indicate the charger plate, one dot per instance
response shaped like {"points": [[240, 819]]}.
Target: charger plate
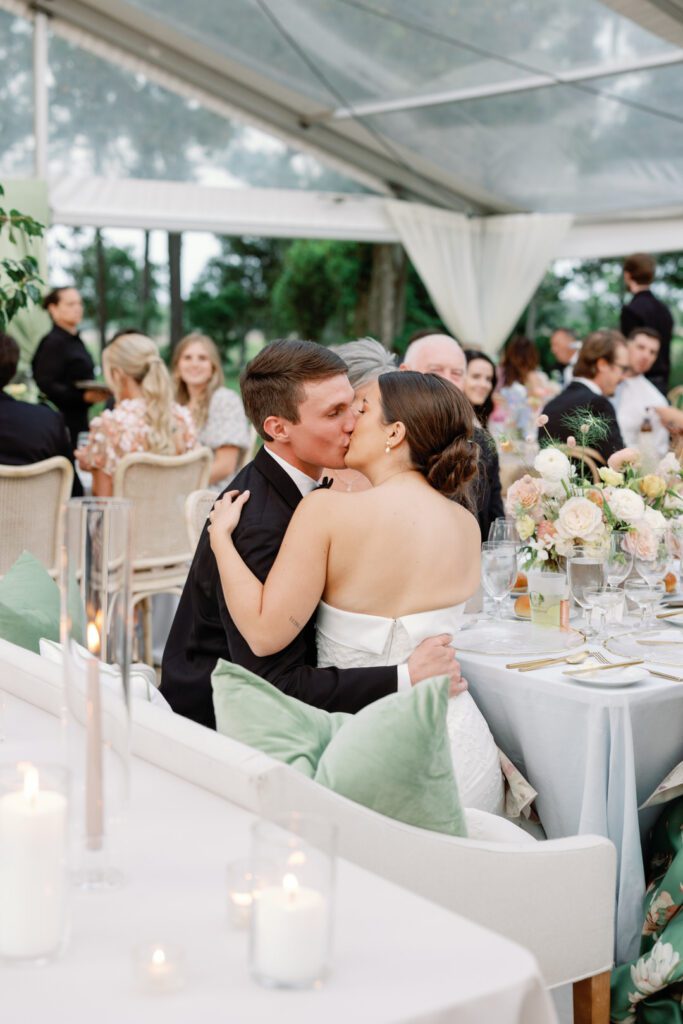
{"points": [[668, 653], [509, 637]]}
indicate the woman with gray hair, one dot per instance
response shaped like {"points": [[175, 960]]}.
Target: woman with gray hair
{"points": [[366, 360]]}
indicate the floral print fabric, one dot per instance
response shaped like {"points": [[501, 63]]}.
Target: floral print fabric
{"points": [[649, 990], [226, 424], [124, 429]]}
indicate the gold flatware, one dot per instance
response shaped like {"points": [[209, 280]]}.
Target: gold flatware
{"points": [[603, 668], [665, 675], [669, 615], [660, 643], [529, 665]]}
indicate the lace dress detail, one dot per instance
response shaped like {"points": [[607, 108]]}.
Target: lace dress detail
{"points": [[355, 640]]}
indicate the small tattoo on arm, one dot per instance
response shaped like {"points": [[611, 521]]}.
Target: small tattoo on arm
{"points": [[294, 622]]}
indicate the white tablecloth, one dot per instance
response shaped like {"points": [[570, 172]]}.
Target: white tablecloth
{"points": [[397, 957], [593, 755]]}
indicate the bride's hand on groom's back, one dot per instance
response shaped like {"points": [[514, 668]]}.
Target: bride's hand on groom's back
{"points": [[225, 515], [435, 657]]}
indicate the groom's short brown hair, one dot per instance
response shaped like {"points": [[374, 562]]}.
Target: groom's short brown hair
{"points": [[272, 384]]}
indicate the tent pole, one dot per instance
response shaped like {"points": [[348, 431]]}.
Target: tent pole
{"points": [[40, 93]]}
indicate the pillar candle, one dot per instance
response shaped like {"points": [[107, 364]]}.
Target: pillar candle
{"points": [[291, 934]]}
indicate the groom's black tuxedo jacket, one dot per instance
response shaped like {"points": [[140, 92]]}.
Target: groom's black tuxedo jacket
{"points": [[203, 631]]}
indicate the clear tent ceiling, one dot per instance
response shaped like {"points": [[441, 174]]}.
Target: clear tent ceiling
{"points": [[482, 105]]}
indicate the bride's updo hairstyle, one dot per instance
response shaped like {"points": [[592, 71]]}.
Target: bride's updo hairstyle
{"points": [[439, 424]]}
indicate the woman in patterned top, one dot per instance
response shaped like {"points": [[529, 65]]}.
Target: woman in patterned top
{"points": [[145, 417], [217, 412]]}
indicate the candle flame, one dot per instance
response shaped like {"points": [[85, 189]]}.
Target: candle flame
{"points": [[290, 884], [158, 957], [31, 783], [92, 635]]}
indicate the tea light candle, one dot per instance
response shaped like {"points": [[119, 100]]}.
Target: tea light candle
{"points": [[159, 967], [33, 881], [240, 878], [291, 926]]}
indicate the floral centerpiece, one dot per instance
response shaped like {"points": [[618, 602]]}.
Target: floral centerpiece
{"points": [[560, 507]]}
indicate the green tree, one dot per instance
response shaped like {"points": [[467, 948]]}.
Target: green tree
{"points": [[19, 278]]}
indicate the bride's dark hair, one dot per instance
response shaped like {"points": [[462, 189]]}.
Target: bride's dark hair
{"points": [[439, 423]]}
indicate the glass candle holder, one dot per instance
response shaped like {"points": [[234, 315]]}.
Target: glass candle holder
{"points": [[240, 881], [159, 967], [96, 632], [34, 882], [292, 909]]}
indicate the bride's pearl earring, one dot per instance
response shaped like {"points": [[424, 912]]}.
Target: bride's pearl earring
{"points": [[387, 449]]}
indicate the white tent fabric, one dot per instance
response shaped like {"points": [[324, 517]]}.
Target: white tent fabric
{"points": [[480, 273]]}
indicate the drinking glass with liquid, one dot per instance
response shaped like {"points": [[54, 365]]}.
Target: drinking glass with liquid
{"points": [[585, 568]]}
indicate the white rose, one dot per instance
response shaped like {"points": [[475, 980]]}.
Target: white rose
{"points": [[669, 466], [553, 464], [553, 490], [625, 504], [581, 519], [654, 519], [673, 502]]}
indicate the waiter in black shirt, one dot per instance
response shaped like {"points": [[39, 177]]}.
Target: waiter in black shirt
{"points": [[61, 359], [646, 310]]}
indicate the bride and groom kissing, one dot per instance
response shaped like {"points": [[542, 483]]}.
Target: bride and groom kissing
{"points": [[386, 572]]}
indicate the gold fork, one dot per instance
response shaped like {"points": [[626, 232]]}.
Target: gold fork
{"points": [[653, 672]]}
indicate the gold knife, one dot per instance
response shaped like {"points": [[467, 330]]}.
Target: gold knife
{"points": [[660, 643], [665, 675], [602, 668], [669, 615], [524, 666]]}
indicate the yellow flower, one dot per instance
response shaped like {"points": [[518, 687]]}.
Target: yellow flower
{"points": [[652, 486], [525, 527], [611, 477]]}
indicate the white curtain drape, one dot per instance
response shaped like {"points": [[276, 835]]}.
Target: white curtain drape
{"points": [[479, 272]]}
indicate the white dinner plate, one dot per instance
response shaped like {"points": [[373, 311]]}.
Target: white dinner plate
{"points": [[611, 678], [678, 621], [508, 637]]}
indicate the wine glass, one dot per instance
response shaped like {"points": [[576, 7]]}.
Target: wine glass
{"points": [[645, 595], [603, 599], [498, 570], [653, 561], [585, 568], [504, 530], [619, 557]]}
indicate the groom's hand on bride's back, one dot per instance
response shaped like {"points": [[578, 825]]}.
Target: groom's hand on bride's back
{"points": [[435, 657]]}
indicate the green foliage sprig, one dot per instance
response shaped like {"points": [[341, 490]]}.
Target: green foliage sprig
{"points": [[19, 279]]}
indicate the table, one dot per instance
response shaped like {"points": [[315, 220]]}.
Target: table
{"points": [[594, 755], [397, 957]]}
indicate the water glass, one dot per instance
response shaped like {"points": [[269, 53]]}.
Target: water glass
{"points": [[504, 530], [619, 557], [498, 570], [585, 569], [603, 599], [652, 562], [646, 596]]}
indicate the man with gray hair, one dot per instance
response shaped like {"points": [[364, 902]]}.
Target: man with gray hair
{"points": [[366, 360], [442, 355]]}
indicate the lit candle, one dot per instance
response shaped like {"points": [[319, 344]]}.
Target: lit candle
{"points": [[240, 878], [94, 809], [291, 933], [33, 881], [159, 967]]}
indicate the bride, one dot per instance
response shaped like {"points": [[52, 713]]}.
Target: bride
{"points": [[385, 567]]}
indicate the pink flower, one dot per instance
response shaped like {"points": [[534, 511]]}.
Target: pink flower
{"points": [[541, 420], [524, 495], [546, 530], [642, 542], [625, 456], [571, 441]]}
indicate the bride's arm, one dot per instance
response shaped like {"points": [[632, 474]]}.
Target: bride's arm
{"points": [[271, 614]]}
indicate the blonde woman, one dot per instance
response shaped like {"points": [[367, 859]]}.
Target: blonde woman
{"points": [[145, 417], [217, 412]]}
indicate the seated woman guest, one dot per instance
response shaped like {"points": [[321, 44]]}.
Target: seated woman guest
{"points": [[480, 381], [145, 417], [523, 389], [217, 411]]}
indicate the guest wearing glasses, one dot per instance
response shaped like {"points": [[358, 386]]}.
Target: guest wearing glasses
{"points": [[601, 366]]}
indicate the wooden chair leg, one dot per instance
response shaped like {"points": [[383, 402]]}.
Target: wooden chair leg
{"points": [[591, 999], [147, 630]]}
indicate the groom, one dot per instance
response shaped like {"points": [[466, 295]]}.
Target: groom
{"points": [[297, 395]]}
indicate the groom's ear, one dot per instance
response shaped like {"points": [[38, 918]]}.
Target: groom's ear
{"points": [[277, 428]]}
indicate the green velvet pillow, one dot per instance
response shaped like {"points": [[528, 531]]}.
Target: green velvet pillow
{"points": [[393, 756], [29, 604]]}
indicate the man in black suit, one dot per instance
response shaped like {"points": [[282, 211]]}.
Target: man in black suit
{"points": [[646, 310], [28, 433], [298, 397], [602, 365], [442, 355]]}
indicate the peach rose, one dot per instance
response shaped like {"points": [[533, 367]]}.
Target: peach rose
{"points": [[546, 530], [596, 497], [524, 494], [624, 457]]}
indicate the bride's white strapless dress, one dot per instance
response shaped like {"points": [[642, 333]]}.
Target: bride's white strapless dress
{"points": [[356, 640]]}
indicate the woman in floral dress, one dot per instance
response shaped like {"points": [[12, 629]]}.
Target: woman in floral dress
{"points": [[145, 417]]}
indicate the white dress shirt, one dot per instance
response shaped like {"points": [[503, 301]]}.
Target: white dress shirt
{"points": [[634, 398], [306, 484]]}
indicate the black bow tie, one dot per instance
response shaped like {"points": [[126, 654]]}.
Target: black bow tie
{"points": [[325, 483]]}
